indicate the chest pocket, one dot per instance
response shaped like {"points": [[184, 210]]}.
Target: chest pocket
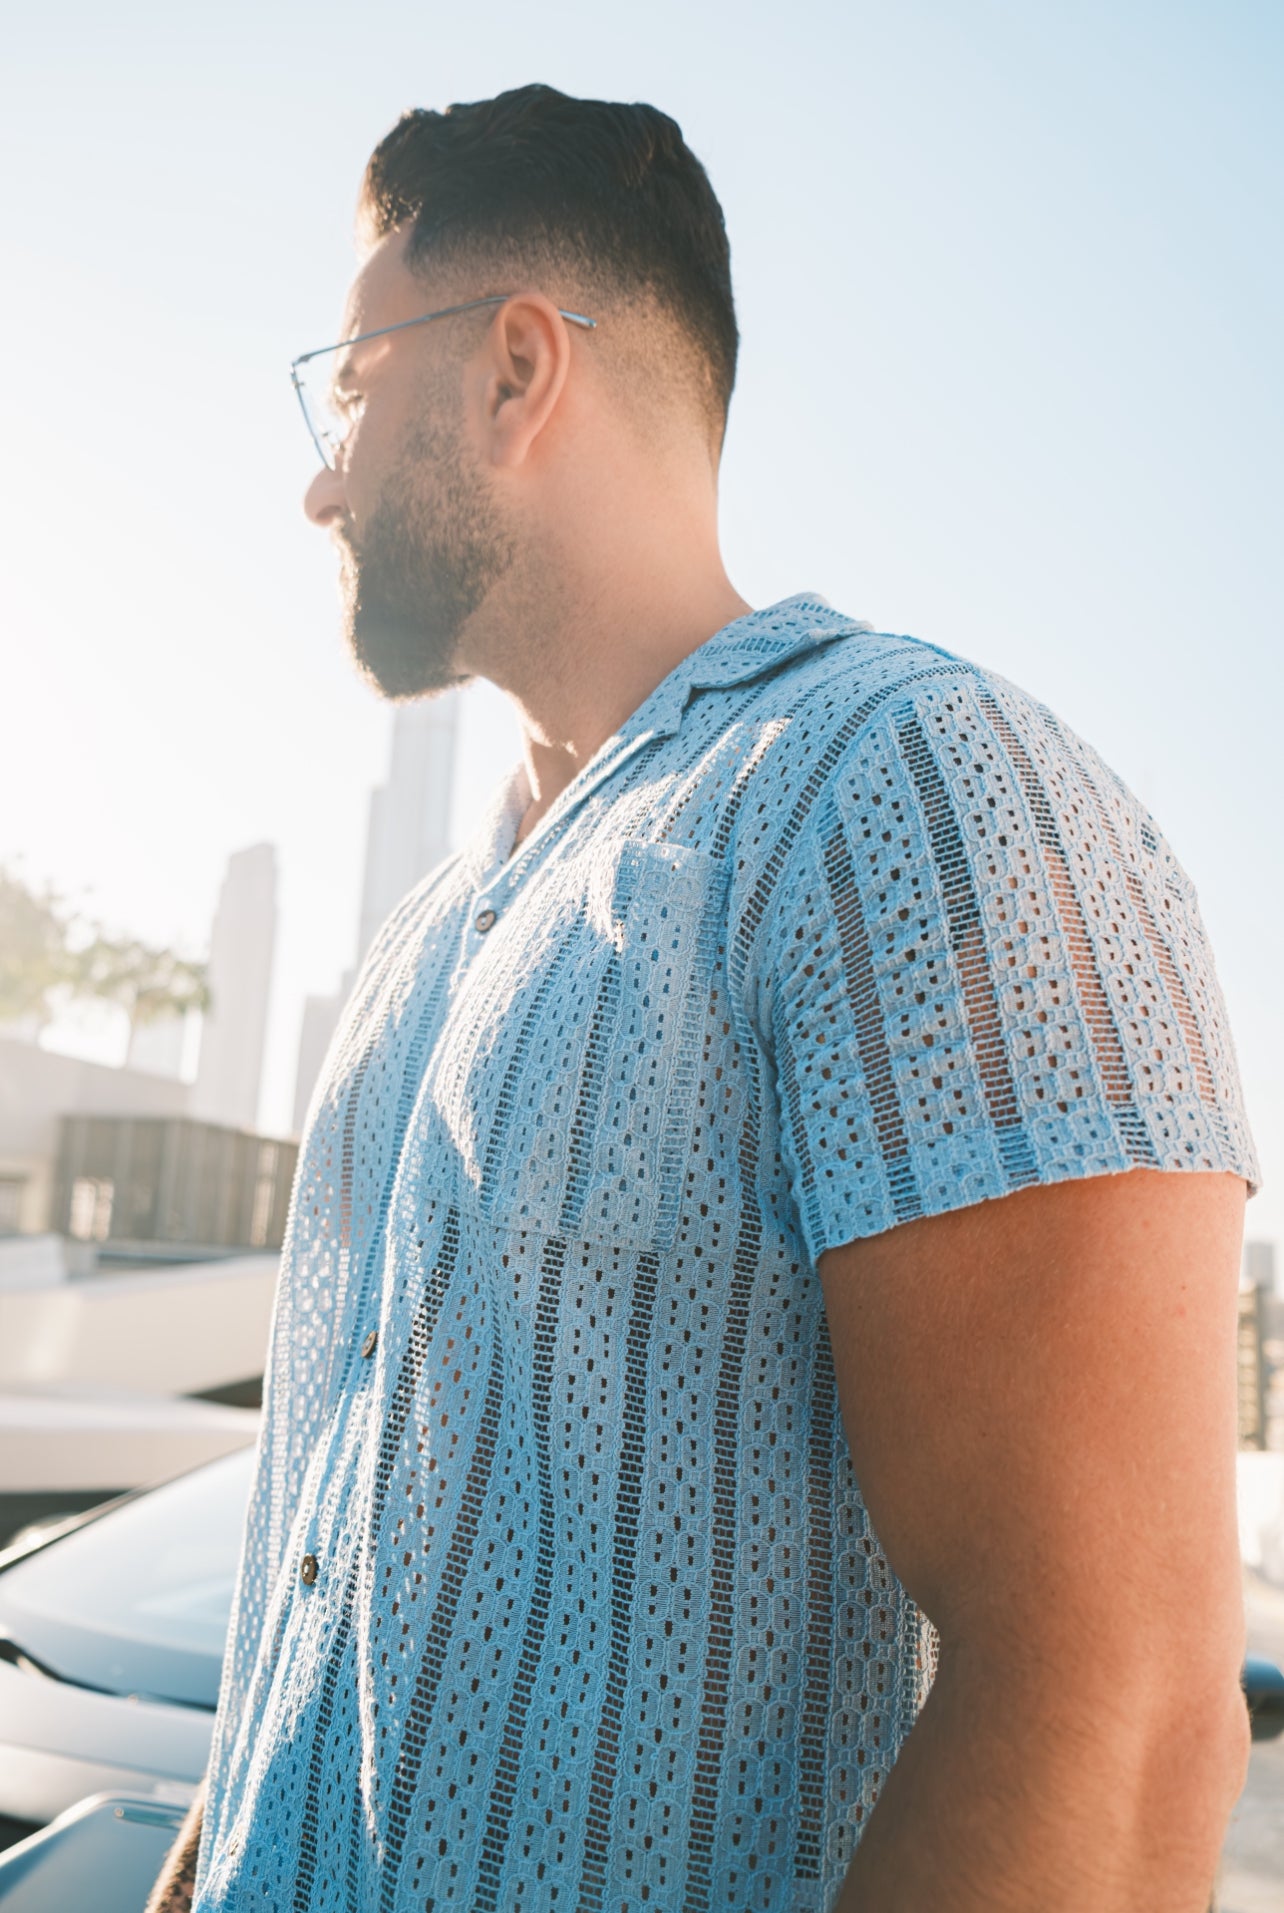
{"points": [[567, 1078]]}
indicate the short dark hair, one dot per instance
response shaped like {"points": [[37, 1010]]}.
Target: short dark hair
{"points": [[612, 190]]}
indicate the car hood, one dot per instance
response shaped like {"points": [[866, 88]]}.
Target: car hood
{"points": [[135, 1601]]}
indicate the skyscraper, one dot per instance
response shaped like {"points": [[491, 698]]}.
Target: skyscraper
{"points": [[1259, 1266], [408, 831], [320, 1019], [242, 944], [407, 834]]}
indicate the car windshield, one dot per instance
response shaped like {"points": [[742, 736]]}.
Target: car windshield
{"points": [[137, 1601]]}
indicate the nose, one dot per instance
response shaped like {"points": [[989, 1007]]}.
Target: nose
{"points": [[324, 499]]}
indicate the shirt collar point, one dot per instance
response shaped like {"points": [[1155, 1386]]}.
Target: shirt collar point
{"points": [[751, 645]]}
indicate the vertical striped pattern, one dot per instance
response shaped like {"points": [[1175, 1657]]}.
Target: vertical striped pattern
{"points": [[819, 1589], [967, 940], [715, 1691], [861, 992], [1112, 1061], [403, 1396], [438, 1636], [503, 1793], [629, 1467], [336, 1669], [838, 931]]}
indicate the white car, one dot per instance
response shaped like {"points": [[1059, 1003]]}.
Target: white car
{"points": [[112, 1629]]}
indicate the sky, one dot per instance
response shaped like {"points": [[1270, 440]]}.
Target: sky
{"points": [[1010, 291]]}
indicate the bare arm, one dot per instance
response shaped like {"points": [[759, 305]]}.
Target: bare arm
{"points": [[1039, 1396], [175, 1887]]}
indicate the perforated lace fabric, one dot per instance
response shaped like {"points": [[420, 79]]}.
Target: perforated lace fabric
{"points": [[558, 1589]]}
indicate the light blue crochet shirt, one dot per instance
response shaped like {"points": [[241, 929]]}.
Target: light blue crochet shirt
{"points": [[558, 1589]]}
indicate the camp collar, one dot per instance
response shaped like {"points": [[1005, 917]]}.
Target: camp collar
{"points": [[747, 648]]}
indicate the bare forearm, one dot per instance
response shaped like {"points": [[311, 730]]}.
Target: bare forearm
{"points": [[175, 1887], [1011, 1802]]}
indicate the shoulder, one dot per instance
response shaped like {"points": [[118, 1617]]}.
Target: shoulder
{"points": [[873, 727], [854, 682], [861, 679], [968, 950]]}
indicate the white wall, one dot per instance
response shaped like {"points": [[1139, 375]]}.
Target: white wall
{"points": [[37, 1086], [89, 1372], [176, 1330]]}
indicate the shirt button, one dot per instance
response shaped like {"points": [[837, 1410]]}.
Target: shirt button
{"points": [[308, 1570], [484, 921], [368, 1346]]}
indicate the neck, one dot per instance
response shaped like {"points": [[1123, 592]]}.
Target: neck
{"points": [[581, 645]]}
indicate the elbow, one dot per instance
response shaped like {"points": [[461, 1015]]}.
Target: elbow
{"points": [[1193, 1769], [1225, 1732], [1182, 1685]]}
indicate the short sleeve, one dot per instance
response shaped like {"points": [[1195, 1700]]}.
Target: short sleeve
{"points": [[982, 968]]}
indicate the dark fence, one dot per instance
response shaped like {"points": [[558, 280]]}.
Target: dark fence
{"points": [[122, 1181]]}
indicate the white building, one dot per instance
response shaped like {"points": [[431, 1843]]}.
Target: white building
{"points": [[37, 1086], [1259, 1266], [407, 834], [242, 944], [408, 831], [320, 1020]]}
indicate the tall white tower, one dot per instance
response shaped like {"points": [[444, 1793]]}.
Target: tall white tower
{"points": [[407, 834], [242, 944], [1259, 1266], [409, 824]]}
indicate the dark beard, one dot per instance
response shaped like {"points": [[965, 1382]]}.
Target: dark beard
{"points": [[428, 556]]}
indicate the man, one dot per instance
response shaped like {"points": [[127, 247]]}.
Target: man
{"points": [[761, 1275]]}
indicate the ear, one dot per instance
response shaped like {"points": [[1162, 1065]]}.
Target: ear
{"points": [[527, 360]]}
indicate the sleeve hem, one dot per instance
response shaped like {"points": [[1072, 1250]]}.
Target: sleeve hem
{"points": [[832, 1228]]}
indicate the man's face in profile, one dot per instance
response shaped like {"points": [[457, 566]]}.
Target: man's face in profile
{"points": [[420, 538]]}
